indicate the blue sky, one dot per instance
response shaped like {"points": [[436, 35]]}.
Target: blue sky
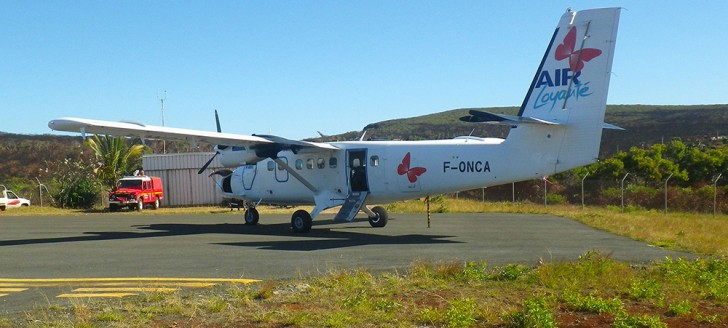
{"points": [[291, 68]]}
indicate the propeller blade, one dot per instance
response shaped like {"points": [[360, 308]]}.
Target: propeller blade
{"points": [[217, 120], [204, 167]]}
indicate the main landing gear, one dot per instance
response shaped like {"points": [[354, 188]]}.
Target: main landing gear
{"points": [[377, 216], [301, 220]]}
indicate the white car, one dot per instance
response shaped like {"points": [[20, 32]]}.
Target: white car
{"points": [[9, 199]]}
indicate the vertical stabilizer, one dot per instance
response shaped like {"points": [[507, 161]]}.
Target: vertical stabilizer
{"points": [[569, 91]]}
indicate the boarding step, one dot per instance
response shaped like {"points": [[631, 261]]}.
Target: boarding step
{"points": [[351, 206]]}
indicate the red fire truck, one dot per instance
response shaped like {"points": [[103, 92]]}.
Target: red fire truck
{"points": [[135, 192]]}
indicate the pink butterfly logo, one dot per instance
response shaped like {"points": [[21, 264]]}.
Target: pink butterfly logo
{"points": [[576, 58], [412, 173]]}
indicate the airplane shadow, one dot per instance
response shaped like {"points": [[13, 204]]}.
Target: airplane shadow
{"points": [[318, 239]]}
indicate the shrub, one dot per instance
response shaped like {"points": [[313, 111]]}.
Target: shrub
{"points": [[680, 309], [75, 185], [461, 313], [535, 313], [555, 199], [591, 303], [643, 289]]}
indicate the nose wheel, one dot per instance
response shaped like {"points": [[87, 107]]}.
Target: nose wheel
{"points": [[251, 216]]}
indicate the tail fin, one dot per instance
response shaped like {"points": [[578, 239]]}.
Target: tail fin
{"points": [[568, 95], [575, 70]]}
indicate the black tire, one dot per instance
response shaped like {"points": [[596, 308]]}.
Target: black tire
{"points": [[113, 207], [301, 222], [251, 216], [156, 203], [381, 218]]}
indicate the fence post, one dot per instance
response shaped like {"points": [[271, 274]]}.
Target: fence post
{"points": [[40, 191], [582, 190], [715, 193], [668, 179], [622, 187]]}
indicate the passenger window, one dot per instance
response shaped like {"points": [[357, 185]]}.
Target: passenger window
{"points": [[299, 164], [309, 163], [321, 163], [332, 162], [374, 161], [271, 165]]}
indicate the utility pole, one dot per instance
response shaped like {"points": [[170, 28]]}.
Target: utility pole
{"points": [[162, 99]]}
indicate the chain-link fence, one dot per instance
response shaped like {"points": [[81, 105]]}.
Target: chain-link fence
{"points": [[633, 192]]}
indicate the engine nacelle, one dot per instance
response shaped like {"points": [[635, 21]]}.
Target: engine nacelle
{"points": [[234, 156]]}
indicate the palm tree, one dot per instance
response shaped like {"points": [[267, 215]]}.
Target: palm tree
{"points": [[115, 157]]}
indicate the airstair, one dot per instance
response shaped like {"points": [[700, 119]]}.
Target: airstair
{"points": [[351, 206]]}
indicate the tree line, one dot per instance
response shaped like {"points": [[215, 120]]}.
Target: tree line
{"points": [[691, 172]]}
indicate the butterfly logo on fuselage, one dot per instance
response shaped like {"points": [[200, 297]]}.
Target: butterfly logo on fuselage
{"points": [[412, 173]]}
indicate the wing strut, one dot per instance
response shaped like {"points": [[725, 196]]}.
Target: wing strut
{"points": [[295, 174]]}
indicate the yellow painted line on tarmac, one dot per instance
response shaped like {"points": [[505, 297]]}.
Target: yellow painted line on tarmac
{"points": [[114, 287], [125, 289], [96, 295], [110, 284], [88, 280]]}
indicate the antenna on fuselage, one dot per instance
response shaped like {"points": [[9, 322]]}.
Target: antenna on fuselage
{"points": [[364, 133]]}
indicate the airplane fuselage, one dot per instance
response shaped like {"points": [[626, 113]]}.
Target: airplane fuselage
{"points": [[387, 170]]}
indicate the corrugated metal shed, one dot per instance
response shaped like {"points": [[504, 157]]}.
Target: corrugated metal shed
{"points": [[182, 185]]}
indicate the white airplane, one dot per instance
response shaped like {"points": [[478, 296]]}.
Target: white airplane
{"points": [[558, 127]]}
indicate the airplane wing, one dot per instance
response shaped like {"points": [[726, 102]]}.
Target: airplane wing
{"points": [[128, 129]]}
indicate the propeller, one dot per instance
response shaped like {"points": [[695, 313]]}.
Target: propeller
{"points": [[217, 152], [204, 167]]}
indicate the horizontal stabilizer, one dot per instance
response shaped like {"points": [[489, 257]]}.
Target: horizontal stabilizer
{"points": [[486, 117]]}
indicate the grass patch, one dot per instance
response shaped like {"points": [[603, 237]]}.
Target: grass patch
{"points": [[443, 294]]}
